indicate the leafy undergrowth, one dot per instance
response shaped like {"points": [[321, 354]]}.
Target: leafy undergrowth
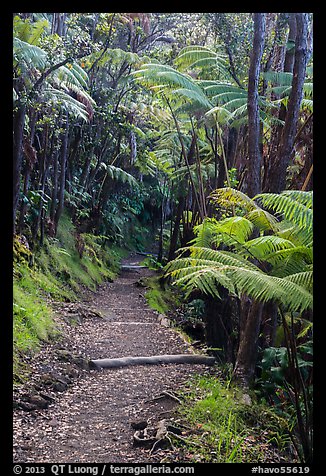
{"points": [[58, 271], [226, 429]]}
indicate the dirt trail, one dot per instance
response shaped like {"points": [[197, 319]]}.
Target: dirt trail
{"points": [[91, 420]]}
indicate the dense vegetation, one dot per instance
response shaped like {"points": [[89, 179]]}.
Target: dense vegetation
{"points": [[190, 130]]}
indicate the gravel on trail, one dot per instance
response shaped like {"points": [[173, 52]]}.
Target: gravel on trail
{"points": [[67, 412]]}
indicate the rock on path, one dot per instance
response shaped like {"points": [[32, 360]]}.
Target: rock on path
{"points": [[91, 420]]}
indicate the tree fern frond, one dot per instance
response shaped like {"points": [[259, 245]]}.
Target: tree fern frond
{"points": [[229, 197], [201, 56], [222, 257], [215, 88], [238, 227], [31, 55], [205, 279], [264, 246], [264, 288], [196, 96], [61, 98], [280, 78], [306, 198], [252, 282], [303, 279], [29, 32], [292, 232], [116, 173], [263, 220], [290, 208], [204, 233], [289, 261]]}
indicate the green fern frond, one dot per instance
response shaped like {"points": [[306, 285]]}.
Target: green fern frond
{"points": [[202, 57], [158, 75], [72, 75], [229, 197], [196, 96], [222, 257], [280, 78], [264, 288], [29, 32], [291, 209], [306, 198], [205, 279], [243, 280], [264, 246], [289, 261], [204, 233], [263, 220], [30, 55], [116, 173], [215, 88], [303, 279], [64, 100]]}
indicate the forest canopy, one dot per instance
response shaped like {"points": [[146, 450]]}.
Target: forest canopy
{"points": [[192, 131]]}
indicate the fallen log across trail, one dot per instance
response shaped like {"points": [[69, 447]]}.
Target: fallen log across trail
{"points": [[153, 360]]}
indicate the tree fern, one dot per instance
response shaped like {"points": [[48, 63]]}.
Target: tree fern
{"points": [[274, 267], [27, 56], [202, 57], [116, 173], [289, 207], [203, 275], [64, 100], [158, 75]]}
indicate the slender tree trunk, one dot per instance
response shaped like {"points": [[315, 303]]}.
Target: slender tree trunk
{"points": [[219, 325], [176, 229], [288, 62], [54, 195], [254, 152], [19, 121], [41, 184], [31, 158], [63, 161]]}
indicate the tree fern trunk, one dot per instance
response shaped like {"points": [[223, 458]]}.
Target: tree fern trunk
{"points": [[219, 325], [244, 369]]}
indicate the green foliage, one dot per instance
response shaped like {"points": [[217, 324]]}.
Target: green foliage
{"points": [[160, 298], [58, 273], [225, 428], [287, 282]]}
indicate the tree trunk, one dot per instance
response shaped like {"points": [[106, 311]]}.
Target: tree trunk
{"points": [[244, 369], [63, 161], [19, 121], [254, 152], [219, 324], [54, 195], [288, 62], [31, 158], [276, 181], [176, 229]]}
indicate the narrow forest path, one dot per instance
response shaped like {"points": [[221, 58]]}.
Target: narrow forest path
{"points": [[91, 420]]}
